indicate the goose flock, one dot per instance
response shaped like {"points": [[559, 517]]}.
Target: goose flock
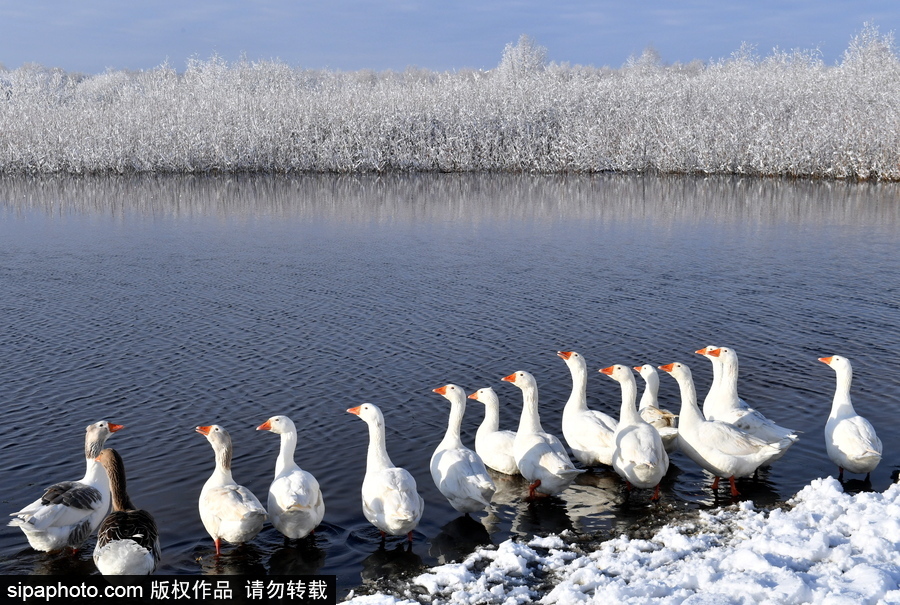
{"points": [[727, 438]]}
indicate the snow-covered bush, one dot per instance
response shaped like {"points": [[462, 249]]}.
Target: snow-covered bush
{"points": [[783, 114]]}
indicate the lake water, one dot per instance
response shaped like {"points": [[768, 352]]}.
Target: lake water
{"points": [[163, 303]]}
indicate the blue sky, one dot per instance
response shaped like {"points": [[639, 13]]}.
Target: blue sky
{"points": [[93, 35]]}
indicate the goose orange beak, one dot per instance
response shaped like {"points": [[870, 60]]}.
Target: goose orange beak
{"points": [[510, 378], [637, 368], [608, 371], [115, 427], [354, 410], [826, 359], [203, 430], [440, 390], [265, 426], [716, 352], [474, 395], [668, 367], [564, 354]]}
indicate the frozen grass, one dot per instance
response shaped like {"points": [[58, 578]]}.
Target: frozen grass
{"points": [[784, 114]]}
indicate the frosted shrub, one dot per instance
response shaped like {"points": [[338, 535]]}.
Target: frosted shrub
{"points": [[783, 114]]}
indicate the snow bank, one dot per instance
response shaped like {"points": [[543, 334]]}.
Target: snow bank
{"points": [[828, 547]]}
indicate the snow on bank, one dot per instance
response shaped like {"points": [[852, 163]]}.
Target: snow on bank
{"points": [[828, 547]]}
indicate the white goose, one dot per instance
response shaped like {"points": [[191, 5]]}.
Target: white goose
{"points": [[68, 512], [715, 386], [589, 433], [295, 504], [229, 511], [850, 439], [493, 445], [723, 403], [458, 472], [390, 501], [663, 420], [718, 447], [542, 459], [127, 539], [640, 457]]}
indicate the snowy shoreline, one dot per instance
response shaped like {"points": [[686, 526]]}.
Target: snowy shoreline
{"points": [[825, 546]]}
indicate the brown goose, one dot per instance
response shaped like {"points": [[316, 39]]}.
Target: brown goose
{"points": [[127, 540]]}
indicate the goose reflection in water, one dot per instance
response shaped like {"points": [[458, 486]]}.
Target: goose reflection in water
{"points": [[299, 557], [399, 560], [458, 538], [243, 560], [58, 564]]}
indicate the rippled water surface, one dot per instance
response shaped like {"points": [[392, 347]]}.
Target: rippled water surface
{"points": [[166, 303]]}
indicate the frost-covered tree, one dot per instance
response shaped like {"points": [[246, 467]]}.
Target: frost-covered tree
{"points": [[783, 114]]}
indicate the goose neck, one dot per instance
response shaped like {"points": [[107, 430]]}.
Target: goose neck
{"points": [[649, 396], [530, 420], [222, 474], [117, 486], [377, 457], [578, 397], [690, 413], [95, 474], [454, 424], [491, 422], [285, 460], [92, 446], [716, 386], [728, 379], [841, 405], [628, 412]]}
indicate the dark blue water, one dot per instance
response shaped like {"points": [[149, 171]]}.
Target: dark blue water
{"points": [[167, 303]]}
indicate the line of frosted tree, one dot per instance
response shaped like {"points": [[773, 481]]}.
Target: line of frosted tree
{"points": [[783, 114]]}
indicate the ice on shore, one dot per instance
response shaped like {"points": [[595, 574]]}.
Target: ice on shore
{"points": [[827, 546]]}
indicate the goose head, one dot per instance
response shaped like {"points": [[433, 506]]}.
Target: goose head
{"points": [[452, 392], [278, 425], [111, 460], [96, 435], [648, 373], [217, 436], [369, 413], [521, 379], [617, 372], [486, 396], [724, 353], [573, 360], [838, 363], [677, 370]]}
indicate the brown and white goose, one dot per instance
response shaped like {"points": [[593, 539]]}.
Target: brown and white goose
{"points": [[127, 539], [68, 512]]}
